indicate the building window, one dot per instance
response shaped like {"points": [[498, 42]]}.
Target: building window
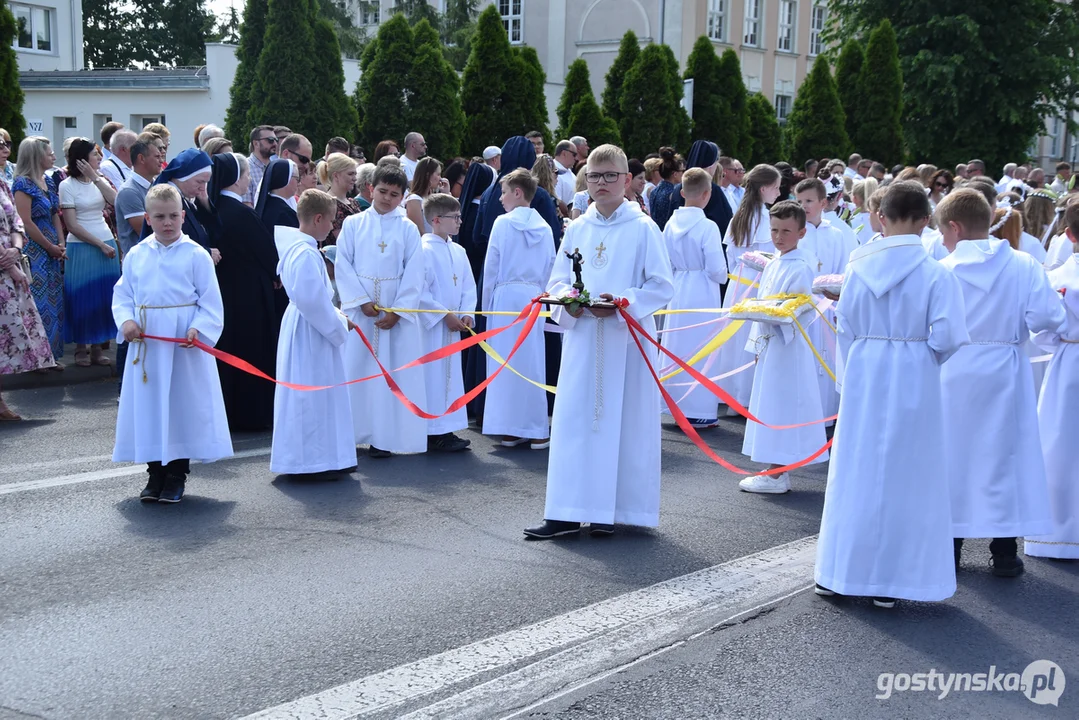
{"points": [[1056, 146], [816, 29], [783, 107], [370, 12], [717, 20], [33, 27], [512, 17], [752, 33], [788, 14]]}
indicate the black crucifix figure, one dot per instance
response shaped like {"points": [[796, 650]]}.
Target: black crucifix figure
{"points": [[577, 258]]}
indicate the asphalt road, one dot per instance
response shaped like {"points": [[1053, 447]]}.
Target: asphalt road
{"points": [[409, 589]]}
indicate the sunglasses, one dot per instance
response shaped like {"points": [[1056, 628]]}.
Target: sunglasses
{"points": [[272, 140], [941, 185], [304, 160], [5, 144]]}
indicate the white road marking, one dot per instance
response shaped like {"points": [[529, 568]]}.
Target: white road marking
{"points": [[49, 464], [579, 644], [113, 472]]}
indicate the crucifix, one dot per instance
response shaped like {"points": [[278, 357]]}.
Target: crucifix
{"points": [[383, 246], [455, 278], [600, 249], [819, 265]]}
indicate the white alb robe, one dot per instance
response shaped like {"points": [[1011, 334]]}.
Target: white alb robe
{"points": [[448, 285], [863, 229], [520, 254], [733, 354], [1032, 246], [171, 407], [785, 387], [1057, 411], [700, 271], [995, 467], [834, 247], [886, 529], [842, 226], [605, 435], [1060, 250], [933, 243], [312, 430], [380, 260]]}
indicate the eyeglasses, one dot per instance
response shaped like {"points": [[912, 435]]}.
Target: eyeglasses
{"points": [[738, 171], [456, 216], [607, 177]]}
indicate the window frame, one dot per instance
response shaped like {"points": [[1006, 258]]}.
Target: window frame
{"points": [[791, 28], [719, 12], [758, 40], [509, 17], [816, 44], [367, 11], [50, 15], [781, 117]]}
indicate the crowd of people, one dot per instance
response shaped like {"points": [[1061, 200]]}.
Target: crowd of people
{"points": [[911, 307]]}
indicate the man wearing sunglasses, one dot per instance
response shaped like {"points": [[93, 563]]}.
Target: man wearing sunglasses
{"points": [[263, 148]]}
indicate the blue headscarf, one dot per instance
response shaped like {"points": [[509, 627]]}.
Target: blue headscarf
{"points": [[184, 166], [703, 154]]}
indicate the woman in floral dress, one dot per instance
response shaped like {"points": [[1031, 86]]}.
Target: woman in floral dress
{"points": [[39, 209], [23, 343]]}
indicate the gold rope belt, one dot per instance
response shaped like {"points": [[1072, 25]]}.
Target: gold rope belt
{"points": [[144, 350]]}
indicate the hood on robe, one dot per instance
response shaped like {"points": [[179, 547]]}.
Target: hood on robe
{"points": [[685, 219], [980, 262], [529, 222], [627, 212], [886, 262], [287, 239]]}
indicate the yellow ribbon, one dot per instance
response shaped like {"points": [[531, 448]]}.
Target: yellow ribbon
{"points": [[743, 280], [811, 347], [498, 359], [714, 344]]}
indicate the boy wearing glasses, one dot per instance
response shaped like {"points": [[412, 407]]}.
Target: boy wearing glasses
{"points": [[448, 286], [605, 436]]}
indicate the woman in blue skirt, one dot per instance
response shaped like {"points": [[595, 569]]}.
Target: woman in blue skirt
{"points": [[93, 262]]}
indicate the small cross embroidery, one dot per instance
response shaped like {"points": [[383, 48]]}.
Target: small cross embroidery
{"points": [[599, 250], [383, 246], [455, 278], [819, 266]]}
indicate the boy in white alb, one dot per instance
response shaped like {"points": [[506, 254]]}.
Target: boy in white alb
{"points": [[833, 190], [995, 466], [379, 264], [448, 286], [520, 254], [1057, 410], [785, 391], [886, 523], [605, 434], [700, 271], [312, 430], [171, 407]]}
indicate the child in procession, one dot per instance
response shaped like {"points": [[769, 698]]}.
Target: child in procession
{"points": [[313, 431], [996, 470], [520, 254], [700, 271], [785, 389], [380, 264], [171, 407], [886, 523], [605, 434], [450, 289]]}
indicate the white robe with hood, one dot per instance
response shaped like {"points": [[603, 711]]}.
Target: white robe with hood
{"points": [[995, 465], [520, 254], [833, 248], [1057, 411], [700, 271], [312, 430], [605, 435], [886, 528], [380, 260]]}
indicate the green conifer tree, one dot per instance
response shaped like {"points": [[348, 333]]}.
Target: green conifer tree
{"points": [[587, 120], [252, 33], [651, 115], [681, 125], [492, 68], [577, 85], [628, 52], [434, 103], [384, 81], [283, 92], [879, 134], [710, 108], [339, 116], [848, 71], [530, 94], [11, 118], [816, 126], [764, 131]]}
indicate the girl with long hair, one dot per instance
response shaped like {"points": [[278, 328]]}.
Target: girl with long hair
{"points": [[426, 180]]}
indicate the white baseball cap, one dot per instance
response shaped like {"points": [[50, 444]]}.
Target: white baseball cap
{"points": [[491, 152]]}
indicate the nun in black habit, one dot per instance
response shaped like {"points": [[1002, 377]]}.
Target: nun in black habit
{"points": [[478, 178], [273, 208], [246, 274]]}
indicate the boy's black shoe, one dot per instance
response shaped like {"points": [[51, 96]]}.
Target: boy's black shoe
{"points": [[957, 546], [173, 491], [600, 530], [552, 529], [1007, 565], [374, 452], [823, 591], [152, 491], [883, 602], [447, 442]]}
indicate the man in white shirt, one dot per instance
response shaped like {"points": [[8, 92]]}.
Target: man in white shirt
{"points": [[731, 181], [492, 158], [1064, 175], [118, 167], [415, 148], [565, 157], [975, 168], [1009, 175], [852, 167], [107, 131], [582, 146], [863, 169]]}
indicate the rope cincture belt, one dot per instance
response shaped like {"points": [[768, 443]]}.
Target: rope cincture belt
{"points": [[143, 351], [892, 339]]}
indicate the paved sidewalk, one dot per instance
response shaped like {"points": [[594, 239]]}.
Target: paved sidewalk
{"points": [[73, 375]]}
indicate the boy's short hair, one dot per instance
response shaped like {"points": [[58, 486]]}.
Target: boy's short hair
{"points": [[1062, 166], [905, 200], [788, 210], [521, 179], [873, 201], [609, 154], [391, 175], [967, 207], [811, 185], [986, 187], [437, 204], [695, 181], [315, 202], [163, 193]]}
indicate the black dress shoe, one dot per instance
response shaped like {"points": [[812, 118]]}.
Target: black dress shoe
{"points": [[552, 529], [1007, 565], [374, 452], [600, 530], [173, 491], [447, 442], [152, 491]]}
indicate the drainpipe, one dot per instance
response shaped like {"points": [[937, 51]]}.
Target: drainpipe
{"points": [[662, 18]]}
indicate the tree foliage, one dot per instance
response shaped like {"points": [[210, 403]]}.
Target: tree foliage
{"points": [[719, 98], [651, 114], [338, 117], [681, 125], [978, 77], [351, 38], [11, 118], [528, 92], [284, 92], [577, 85], [628, 52], [433, 99], [848, 71], [252, 32], [579, 113], [766, 145], [117, 34], [816, 126], [381, 91], [488, 97], [879, 134]]}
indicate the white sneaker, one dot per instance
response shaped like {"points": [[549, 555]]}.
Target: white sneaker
{"points": [[767, 484]]}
